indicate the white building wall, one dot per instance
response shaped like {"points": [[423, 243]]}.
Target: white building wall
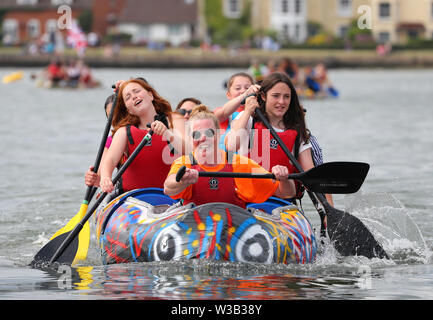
{"points": [[290, 24], [173, 34]]}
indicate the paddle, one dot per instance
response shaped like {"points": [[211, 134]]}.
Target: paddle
{"points": [[84, 237], [331, 177], [348, 234], [64, 248]]}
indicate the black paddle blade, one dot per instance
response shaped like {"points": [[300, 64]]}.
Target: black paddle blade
{"points": [[351, 237], [335, 177], [43, 257]]}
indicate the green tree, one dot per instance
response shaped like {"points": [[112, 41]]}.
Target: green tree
{"points": [[86, 21], [223, 30], [356, 34], [2, 14]]}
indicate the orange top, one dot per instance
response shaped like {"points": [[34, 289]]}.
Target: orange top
{"points": [[247, 189]]}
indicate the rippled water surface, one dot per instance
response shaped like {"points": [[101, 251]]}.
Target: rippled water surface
{"points": [[384, 117]]}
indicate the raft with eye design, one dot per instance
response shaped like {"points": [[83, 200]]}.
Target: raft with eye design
{"points": [[144, 225]]}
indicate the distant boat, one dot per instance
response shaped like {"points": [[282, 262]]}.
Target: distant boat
{"points": [[15, 76], [48, 84], [42, 81]]}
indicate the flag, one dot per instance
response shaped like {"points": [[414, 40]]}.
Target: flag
{"points": [[77, 39]]}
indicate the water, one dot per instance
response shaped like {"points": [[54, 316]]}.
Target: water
{"points": [[49, 138]]}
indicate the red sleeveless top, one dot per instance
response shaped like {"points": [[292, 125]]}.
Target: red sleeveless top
{"points": [[148, 169], [215, 189], [267, 152]]}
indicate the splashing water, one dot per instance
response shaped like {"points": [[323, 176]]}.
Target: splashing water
{"points": [[391, 224]]}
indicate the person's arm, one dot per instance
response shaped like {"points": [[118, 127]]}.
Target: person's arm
{"points": [[93, 178], [112, 158], [176, 134], [305, 159], [239, 132], [286, 187], [317, 156], [306, 162], [222, 113], [173, 188]]}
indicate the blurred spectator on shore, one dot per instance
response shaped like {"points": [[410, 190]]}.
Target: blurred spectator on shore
{"points": [[49, 43], [108, 50], [93, 39], [268, 44], [59, 43], [205, 46], [7, 40], [32, 48], [384, 49]]}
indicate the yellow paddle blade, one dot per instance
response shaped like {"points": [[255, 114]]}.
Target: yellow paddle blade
{"points": [[83, 243], [84, 235], [86, 278], [73, 222]]}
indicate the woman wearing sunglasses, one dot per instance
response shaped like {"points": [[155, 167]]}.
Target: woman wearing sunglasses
{"points": [[202, 129], [185, 106]]}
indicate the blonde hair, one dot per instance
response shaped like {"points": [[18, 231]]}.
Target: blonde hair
{"points": [[201, 112]]}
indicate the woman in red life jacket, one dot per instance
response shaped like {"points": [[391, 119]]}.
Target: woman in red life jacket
{"points": [[278, 101], [203, 128], [91, 178], [139, 104]]}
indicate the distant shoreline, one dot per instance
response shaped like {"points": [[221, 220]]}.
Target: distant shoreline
{"points": [[141, 58]]}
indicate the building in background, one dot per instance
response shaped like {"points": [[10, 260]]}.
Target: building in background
{"points": [[175, 22], [106, 14], [288, 18], [28, 20], [154, 22], [398, 21], [394, 21], [166, 21]]}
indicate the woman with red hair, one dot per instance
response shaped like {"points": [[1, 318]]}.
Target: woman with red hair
{"points": [[139, 105]]}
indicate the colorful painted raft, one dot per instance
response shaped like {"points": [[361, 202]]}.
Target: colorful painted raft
{"points": [[145, 225]]}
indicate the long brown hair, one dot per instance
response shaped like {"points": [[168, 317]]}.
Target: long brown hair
{"points": [[294, 117], [122, 117]]}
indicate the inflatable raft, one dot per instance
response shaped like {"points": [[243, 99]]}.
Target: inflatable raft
{"points": [[145, 225]]}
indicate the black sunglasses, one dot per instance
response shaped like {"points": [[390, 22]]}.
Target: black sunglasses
{"points": [[196, 135], [183, 112]]}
